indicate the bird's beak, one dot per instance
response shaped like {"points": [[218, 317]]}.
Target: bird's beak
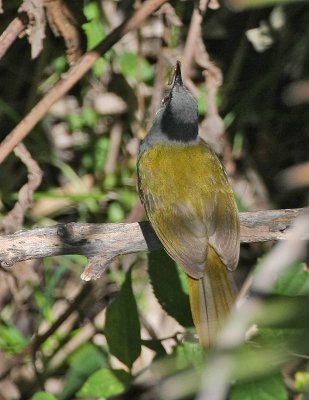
{"points": [[177, 74]]}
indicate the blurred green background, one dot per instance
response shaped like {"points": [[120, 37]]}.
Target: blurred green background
{"points": [[61, 338]]}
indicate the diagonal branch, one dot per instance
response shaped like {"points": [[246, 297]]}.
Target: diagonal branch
{"points": [[74, 74], [101, 243], [16, 27]]}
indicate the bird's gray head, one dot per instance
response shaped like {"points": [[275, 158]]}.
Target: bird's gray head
{"points": [[177, 117]]}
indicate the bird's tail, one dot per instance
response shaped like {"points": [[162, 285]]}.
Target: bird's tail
{"points": [[211, 298]]}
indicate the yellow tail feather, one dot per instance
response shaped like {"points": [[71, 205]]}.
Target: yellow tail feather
{"points": [[211, 298]]}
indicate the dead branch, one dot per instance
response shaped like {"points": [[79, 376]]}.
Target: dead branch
{"points": [[15, 217], [101, 243], [64, 23], [193, 34], [212, 127], [114, 148], [36, 26], [16, 27], [74, 74]]}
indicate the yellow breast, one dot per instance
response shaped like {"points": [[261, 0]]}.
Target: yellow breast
{"points": [[182, 172]]}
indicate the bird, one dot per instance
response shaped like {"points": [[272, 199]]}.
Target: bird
{"points": [[191, 206]]}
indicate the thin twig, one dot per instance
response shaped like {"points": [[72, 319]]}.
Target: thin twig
{"points": [[212, 128], [114, 148], [169, 19], [74, 74], [193, 35], [63, 23], [12, 32], [14, 219]]}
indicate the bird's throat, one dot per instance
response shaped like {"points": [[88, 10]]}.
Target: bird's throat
{"points": [[178, 129]]}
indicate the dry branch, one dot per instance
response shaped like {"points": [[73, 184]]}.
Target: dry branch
{"points": [[193, 35], [16, 27], [63, 22], [15, 218], [101, 243], [74, 74]]}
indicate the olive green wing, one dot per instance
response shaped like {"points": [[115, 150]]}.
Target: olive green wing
{"points": [[182, 235], [181, 232], [220, 212], [224, 236]]}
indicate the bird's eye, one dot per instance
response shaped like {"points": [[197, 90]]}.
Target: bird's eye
{"points": [[166, 99]]}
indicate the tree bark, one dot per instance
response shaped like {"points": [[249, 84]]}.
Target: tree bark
{"points": [[101, 243]]}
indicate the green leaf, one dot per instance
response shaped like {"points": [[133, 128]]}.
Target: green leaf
{"points": [[11, 339], [238, 144], [189, 354], [101, 150], [166, 283], [92, 11], [94, 29], [201, 101], [293, 282], [269, 388], [105, 383], [60, 64], [128, 198], [110, 181], [87, 359], [287, 307], [99, 68], [131, 65], [90, 117], [302, 381], [115, 212], [75, 121], [175, 36], [83, 362], [285, 312], [122, 327], [43, 396]]}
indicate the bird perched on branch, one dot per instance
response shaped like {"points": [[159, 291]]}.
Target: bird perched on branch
{"points": [[191, 206]]}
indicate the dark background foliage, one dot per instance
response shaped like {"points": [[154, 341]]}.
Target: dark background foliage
{"points": [[53, 336]]}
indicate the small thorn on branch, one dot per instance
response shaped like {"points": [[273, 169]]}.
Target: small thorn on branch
{"points": [[96, 267]]}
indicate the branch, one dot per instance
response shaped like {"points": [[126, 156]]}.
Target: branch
{"points": [[16, 27], [74, 74], [101, 243], [193, 35], [15, 218], [63, 22]]}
